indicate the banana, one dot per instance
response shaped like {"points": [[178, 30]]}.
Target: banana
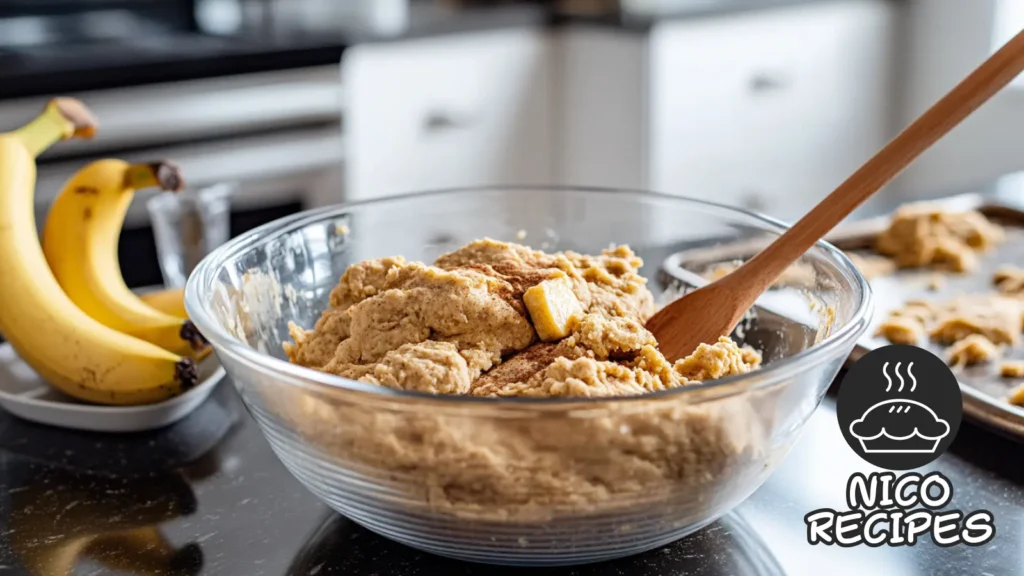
{"points": [[169, 301], [80, 244], [71, 350]]}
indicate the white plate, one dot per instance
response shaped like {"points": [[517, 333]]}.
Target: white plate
{"points": [[25, 394]]}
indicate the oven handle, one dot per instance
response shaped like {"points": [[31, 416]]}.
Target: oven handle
{"points": [[161, 114], [238, 159]]}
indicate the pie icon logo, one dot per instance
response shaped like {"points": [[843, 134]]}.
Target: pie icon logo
{"points": [[886, 431], [899, 407]]}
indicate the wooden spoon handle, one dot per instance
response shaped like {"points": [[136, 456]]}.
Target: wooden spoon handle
{"points": [[995, 73]]}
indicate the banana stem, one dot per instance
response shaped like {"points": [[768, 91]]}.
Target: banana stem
{"points": [[164, 175], [43, 132], [63, 118]]}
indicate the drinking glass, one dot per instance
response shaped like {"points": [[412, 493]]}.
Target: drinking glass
{"points": [[187, 225]]}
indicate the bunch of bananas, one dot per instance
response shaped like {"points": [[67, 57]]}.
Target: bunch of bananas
{"points": [[64, 306]]}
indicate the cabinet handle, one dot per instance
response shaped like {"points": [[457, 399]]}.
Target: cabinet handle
{"points": [[754, 200], [763, 82], [438, 121]]}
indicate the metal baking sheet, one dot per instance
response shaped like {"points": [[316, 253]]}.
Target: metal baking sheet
{"points": [[983, 389]]}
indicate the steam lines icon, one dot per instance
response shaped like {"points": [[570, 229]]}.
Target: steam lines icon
{"points": [[913, 381], [899, 425]]}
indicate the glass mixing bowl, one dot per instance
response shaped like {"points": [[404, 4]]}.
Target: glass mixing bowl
{"points": [[524, 481]]}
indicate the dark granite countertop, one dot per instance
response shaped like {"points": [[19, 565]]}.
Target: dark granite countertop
{"points": [[176, 54], [207, 496]]}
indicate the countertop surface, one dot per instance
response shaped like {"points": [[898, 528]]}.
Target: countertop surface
{"points": [[207, 496]]}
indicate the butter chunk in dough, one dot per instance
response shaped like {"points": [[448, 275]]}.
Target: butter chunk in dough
{"points": [[553, 308]]}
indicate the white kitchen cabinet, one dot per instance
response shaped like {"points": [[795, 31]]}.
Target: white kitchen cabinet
{"points": [[601, 130], [459, 110], [946, 39], [769, 109]]}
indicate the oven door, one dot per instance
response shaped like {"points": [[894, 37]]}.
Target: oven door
{"points": [[277, 174]]}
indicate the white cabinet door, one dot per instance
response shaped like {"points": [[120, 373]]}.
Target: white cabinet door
{"points": [[769, 110], [601, 107], [947, 39], [470, 109]]}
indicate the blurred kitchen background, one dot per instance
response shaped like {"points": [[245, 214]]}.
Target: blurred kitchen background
{"points": [[764, 104]]}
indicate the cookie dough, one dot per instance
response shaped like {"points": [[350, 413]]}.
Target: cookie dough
{"points": [[926, 235], [974, 349], [972, 326], [1012, 369], [872, 265], [1009, 280], [1016, 396], [998, 318], [460, 326], [798, 275], [528, 463], [500, 319], [901, 330]]}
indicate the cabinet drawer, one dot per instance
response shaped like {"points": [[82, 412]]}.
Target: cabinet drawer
{"points": [[769, 110], [453, 111]]}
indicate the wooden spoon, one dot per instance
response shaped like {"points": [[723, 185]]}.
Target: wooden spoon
{"points": [[714, 310]]}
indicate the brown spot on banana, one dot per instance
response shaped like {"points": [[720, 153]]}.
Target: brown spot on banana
{"points": [[185, 373], [193, 336], [87, 213], [89, 378]]}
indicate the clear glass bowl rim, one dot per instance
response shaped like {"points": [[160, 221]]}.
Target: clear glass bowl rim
{"points": [[205, 274]]}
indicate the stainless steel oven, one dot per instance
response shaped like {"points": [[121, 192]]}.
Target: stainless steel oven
{"points": [[277, 134]]}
